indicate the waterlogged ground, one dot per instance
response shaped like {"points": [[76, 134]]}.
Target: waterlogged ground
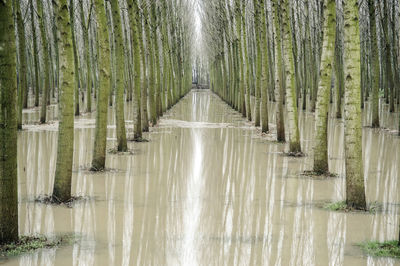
{"points": [[207, 189]]}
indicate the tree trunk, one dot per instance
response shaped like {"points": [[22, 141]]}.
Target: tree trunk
{"points": [[100, 141], [322, 106], [355, 191], [374, 64], [35, 54], [8, 127], [119, 75], [291, 106], [280, 122], [65, 144], [46, 61], [22, 71]]}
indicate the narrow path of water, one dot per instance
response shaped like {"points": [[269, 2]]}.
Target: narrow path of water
{"points": [[206, 190]]}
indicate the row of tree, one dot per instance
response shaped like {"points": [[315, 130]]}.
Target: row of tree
{"points": [[307, 54], [71, 51]]}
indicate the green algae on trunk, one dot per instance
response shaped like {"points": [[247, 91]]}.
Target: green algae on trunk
{"points": [[322, 106], [355, 190], [119, 76], [8, 126], [100, 141], [63, 176]]}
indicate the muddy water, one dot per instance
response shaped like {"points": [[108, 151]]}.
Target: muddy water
{"points": [[207, 189]]}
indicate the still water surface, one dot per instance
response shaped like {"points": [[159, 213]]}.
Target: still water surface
{"points": [[208, 189]]}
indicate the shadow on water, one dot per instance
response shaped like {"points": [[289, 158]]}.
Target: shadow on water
{"points": [[205, 191]]}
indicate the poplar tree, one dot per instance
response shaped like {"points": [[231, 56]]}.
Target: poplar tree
{"points": [[119, 75], [65, 144], [322, 105], [8, 127], [100, 141], [355, 190]]}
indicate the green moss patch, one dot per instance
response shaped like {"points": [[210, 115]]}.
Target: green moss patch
{"points": [[336, 206], [27, 244], [341, 206], [381, 249]]}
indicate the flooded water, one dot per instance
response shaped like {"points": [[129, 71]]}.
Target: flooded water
{"points": [[207, 189]]}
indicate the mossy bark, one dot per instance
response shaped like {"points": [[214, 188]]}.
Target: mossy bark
{"points": [[374, 64], [322, 106], [355, 190], [157, 67], [145, 83], [265, 71], [119, 75], [100, 141], [279, 75], [35, 53], [291, 103], [246, 62], [238, 13], [65, 144], [257, 25], [85, 34], [134, 23], [22, 68], [76, 59], [150, 56], [8, 127], [46, 61]]}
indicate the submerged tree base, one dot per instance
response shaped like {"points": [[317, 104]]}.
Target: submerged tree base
{"points": [[116, 152], [317, 175], [139, 139], [342, 206], [381, 249], [27, 244], [53, 200], [294, 154]]}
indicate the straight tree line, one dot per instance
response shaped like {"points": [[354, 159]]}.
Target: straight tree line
{"points": [[79, 53], [322, 56]]}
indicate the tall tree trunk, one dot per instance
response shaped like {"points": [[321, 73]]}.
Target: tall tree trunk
{"points": [[246, 60], [355, 191], [76, 59], [279, 75], [257, 22], [85, 33], [374, 63], [265, 70], [291, 106], [133, 9], [119, 75], [35, 54], [145, 83], [65, 144], [100, 141], [8, 127], [152, 77], [46, 61], [322, 105], [22, 71]]}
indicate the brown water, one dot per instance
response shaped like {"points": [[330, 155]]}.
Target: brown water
{"points": [[207, 189]]}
